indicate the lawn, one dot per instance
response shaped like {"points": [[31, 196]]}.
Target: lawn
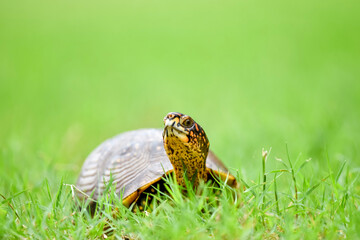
{"points": [[280, 76]]}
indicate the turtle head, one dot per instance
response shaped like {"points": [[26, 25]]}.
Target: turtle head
{"points": [[187, 146]]}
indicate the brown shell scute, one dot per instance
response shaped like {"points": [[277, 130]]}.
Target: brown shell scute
{"points": [[133, 159]]}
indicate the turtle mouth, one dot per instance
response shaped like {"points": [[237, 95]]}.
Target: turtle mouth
{"points": [[172, 132], [171, 129]]}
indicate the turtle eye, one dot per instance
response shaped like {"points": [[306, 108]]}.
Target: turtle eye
{"points": [[187, 122]]}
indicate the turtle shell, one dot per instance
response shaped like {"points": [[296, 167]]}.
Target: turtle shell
{"points": [[134, 161]]}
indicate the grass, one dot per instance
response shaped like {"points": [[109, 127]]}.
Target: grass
{"points": [[327, 208], [283, 76]]}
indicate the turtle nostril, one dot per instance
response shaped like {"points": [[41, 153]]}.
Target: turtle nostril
{"points": [[169, 116]]}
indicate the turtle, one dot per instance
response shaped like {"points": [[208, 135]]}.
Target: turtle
{"points": [[138, 159]]}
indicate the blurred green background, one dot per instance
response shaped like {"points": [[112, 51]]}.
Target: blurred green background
{"points": [[254, 74]]}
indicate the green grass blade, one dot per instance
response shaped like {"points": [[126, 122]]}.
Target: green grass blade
{"points": [[340, 171]]}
